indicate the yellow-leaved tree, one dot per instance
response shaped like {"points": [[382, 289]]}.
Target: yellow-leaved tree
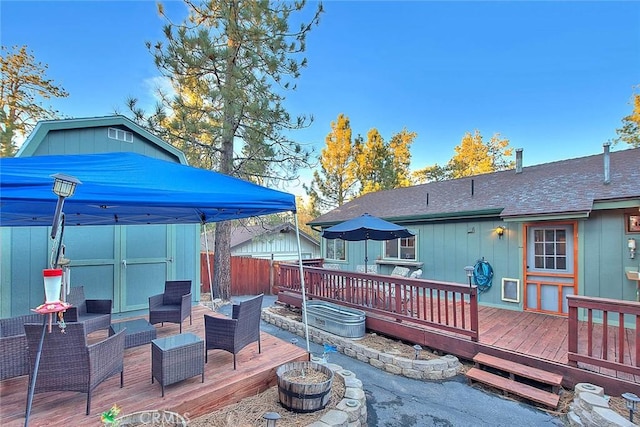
{"points": [[335, 182], [630, 131], [473, 156], [381, 165]]}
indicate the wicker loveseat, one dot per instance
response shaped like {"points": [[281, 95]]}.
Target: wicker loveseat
{"points": [[14, 356], [94, 313], [69, 363]]}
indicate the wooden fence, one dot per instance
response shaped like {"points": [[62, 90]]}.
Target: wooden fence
{"points": [[249, 276]]}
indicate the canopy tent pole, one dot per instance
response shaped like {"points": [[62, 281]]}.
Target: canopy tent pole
{"points": [[302, 284], [206, 245]]}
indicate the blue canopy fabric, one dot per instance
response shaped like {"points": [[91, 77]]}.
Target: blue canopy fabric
{"points": [[126, 188], [366, 227]]}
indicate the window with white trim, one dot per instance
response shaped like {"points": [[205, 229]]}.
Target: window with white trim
{"points": [[401, 249], [550, 249], [335, 249], [120, 135]]}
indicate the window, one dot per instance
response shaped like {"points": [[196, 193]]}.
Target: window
{"points": [[335, 249], [400, 248], [120, 135], [550, 249]]}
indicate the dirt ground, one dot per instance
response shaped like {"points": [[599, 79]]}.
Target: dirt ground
{"points": [[249, 411]]}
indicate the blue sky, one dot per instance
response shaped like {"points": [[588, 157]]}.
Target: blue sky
{"points": [[555, 78]]}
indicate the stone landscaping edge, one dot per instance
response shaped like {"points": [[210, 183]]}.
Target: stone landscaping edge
{"points": [[590, 408], [441, 368]]}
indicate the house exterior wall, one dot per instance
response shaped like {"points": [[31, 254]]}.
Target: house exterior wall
{"points": [[124, 263], [444, 248], [283, 246]]}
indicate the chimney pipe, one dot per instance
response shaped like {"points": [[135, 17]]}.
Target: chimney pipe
{"points": [[607, 177], [518, 160]]}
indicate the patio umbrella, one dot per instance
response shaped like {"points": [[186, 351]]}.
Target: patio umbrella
{"points": [[366, 227]]}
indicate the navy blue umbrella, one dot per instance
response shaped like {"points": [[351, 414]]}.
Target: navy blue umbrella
{"points": [[366, 227]]}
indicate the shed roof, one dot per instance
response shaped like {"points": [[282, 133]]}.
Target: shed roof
{"points": [[568, 187], [37, 136]]}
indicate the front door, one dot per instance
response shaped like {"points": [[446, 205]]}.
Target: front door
{"points": [[550, 266]]}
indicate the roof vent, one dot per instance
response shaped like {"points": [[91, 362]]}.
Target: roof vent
{"points": [[607, 177], [518, 160]]}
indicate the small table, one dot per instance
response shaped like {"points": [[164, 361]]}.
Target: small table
{"points": [[139, 332], [176, 358]]}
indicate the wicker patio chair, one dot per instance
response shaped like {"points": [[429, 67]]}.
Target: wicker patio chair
{"points": [[14, 356], [234, 334], [94, 313], [68, 363], [174, 305]]}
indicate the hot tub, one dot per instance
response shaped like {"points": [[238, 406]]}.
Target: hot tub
{"points": [[339, 320]]}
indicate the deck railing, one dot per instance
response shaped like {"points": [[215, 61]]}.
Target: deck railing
{"points": [[445, 306], [602, 342]]}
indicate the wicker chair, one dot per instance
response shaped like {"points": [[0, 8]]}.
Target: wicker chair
{"points": [[94, 313], [67, 363], [234, 334], [174, 305], [14, 356]]}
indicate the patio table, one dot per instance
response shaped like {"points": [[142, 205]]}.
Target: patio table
{"points": [[176, 358], [138, 332]]}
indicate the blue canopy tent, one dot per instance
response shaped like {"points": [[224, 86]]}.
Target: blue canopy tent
{"points": [[125, 188], [128, 188]]}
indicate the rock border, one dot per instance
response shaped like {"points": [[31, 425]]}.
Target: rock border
{"points": [[441, 368], [590, 408]]}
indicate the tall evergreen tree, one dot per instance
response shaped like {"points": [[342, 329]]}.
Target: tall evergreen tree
{"points": [[335, 182], [229, 63], [23, 88]]}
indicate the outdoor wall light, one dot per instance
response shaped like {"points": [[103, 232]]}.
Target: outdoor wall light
{"points": [[63, 186], [418, 349], [469, 270], [271, 418], [631, 244], [632, 403], [500, 231]]}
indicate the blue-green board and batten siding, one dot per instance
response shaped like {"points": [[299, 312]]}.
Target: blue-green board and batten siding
{"points": [[124, 263]]}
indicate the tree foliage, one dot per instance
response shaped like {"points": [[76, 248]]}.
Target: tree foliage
{"points": [[229, 63], [629, 133], [350, 167], [473, 156], [23, 89], [335, 182], [381, 165]]}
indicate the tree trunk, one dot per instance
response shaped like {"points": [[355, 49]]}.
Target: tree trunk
{"points": [[221, 287]]}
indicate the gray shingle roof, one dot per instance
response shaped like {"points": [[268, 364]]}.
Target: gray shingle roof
{"points": [[563, 187]]}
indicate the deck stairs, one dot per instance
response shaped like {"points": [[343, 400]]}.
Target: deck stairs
{"points": [[514, 378]]}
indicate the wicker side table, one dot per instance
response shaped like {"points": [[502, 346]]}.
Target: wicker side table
{"points": [[176, 358]]}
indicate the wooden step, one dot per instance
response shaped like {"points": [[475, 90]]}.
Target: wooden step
{"points": [[513, 368], [510, 386]]}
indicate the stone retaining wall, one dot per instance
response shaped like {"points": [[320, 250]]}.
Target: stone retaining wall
{"points": [[435, 369]]}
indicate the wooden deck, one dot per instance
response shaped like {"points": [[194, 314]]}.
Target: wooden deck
{"points": [[190, 398]]}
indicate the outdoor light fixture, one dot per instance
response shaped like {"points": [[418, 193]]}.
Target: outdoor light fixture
{"points": [[500, 231], [271, 418], [418, 349], [631, 244], [632, 403], [63, 186], [469, 270]]}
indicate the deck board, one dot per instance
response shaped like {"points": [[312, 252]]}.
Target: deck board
{"points": [[222, 385]]}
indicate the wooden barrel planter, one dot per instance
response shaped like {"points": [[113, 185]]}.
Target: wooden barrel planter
{"points": [[303, 394]]}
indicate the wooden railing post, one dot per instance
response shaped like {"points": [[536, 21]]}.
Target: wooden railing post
{"points": [[572, 333]]}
